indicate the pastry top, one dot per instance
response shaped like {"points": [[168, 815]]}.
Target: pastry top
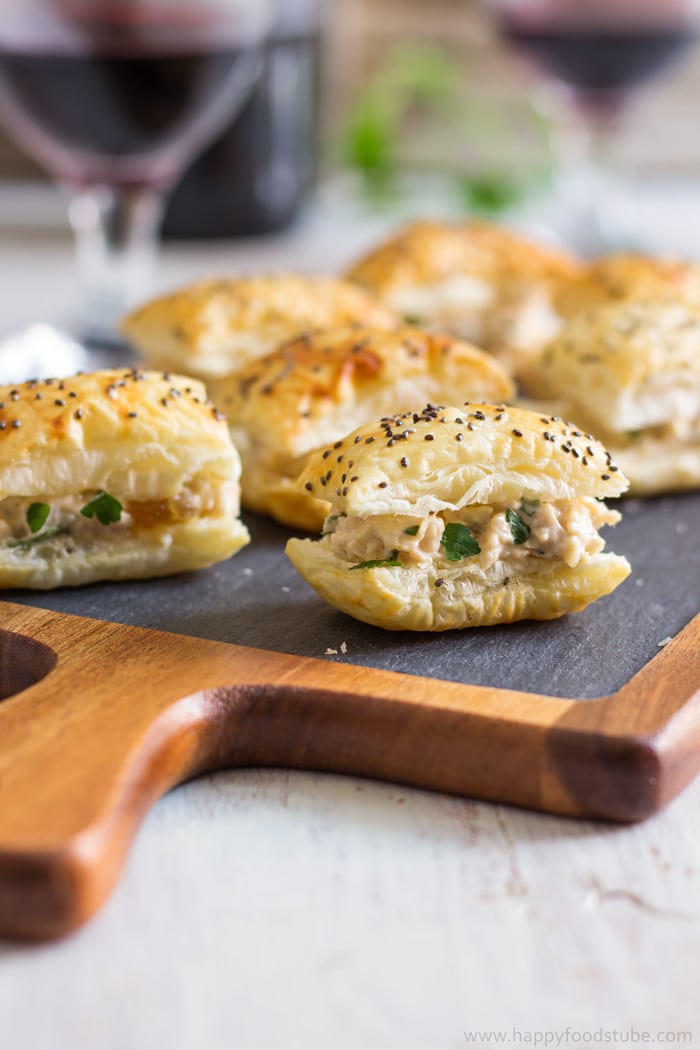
{"points": [[427, 252], [140, 432], [448, 458], [626, 364], [215, 327], [322, 385], [626, 275]]}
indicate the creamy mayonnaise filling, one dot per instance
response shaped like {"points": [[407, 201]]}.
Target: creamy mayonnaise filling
{"points": [[566, 531], [201, 497]]}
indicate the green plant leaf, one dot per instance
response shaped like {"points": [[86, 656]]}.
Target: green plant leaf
{"points": [[47, 534], [37, 513], [412, 530], [529, 506], [458, 541], [518, 528], [380, 563], [107, 509]]}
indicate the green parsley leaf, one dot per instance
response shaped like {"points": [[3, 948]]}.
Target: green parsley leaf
{"points": [[458, 542], [104, 507], [37, 514], [635, 435], [391, 562], [529, 506], [412, 530], [520, 531], [330, 521], [47, 534]]}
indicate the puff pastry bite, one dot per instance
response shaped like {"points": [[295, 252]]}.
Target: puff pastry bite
{"points": [[212, 328], [630, 372], [316, 388], [474, 280], [113, 475], [462, 517]]}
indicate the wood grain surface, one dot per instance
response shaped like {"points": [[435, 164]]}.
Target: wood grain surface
{"points": [[118, 715]]}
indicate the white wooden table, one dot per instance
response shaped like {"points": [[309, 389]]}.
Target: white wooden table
{"points": [[265, 909]]}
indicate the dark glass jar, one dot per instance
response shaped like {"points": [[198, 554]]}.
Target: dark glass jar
{"points": [[255, 177]]}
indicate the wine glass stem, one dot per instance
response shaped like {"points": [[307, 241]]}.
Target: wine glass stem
{"points": [[116, 242]]}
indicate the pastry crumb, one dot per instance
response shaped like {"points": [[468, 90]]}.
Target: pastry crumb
{"points": [[247, 572], [343, 647], [664, 641], [331, 652]]}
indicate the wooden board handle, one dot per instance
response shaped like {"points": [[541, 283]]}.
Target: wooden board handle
{"points": [[123, 714]]}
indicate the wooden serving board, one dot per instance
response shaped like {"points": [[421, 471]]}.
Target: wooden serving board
{"points": [[101, 719]]}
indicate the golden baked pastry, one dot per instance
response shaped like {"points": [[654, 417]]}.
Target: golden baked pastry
{"points": [[462, 517], [215, 327], [629, 276], [630, 372], [472, 279], [316, 388], [113, 475]]}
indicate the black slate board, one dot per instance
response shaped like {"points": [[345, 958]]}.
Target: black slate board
{"points": [[258, 599]]}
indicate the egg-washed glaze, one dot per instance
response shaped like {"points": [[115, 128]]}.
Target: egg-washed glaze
{"points": [[496, 478], [213, 328], [630, 372], [150, 444], [318, 387]]}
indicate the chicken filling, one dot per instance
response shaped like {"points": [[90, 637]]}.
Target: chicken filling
{"points": [[87, 518], [566, 531]]}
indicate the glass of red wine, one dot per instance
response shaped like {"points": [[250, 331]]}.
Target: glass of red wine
{"points": [[114, 98], [599, 52]]}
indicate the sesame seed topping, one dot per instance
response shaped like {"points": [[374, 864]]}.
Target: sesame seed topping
{"points": [[59, 401], [78, 413], [369, 440], [439, 582], [132, 415], [404, 461], [517, 433], [382, 484], [16, 424], [605, 477], [459, 437], [309, 487], [326, 454], [429, 437]]}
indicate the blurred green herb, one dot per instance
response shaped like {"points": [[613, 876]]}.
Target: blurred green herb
{"points": [[421, 85]]}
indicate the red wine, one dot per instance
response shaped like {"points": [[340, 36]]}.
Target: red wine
{"points": [[123, 116], [256, 175], [599, 60]]}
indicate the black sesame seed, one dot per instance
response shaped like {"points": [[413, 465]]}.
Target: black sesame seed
{"points": [[339, 459], [338, 444], [585, 461], [605, 477], [309, 487], [132, 415], [38, 397], [404, 461], [3, 424], [79, 413], [517, 433], [574, 453], [354, 478], [470, 426], [590, 451], [459, 437], [439, 582], [16, 424], [429, 437], [369, 440], [59, 401], [382, 484], [326, 454], [613, 467]]}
